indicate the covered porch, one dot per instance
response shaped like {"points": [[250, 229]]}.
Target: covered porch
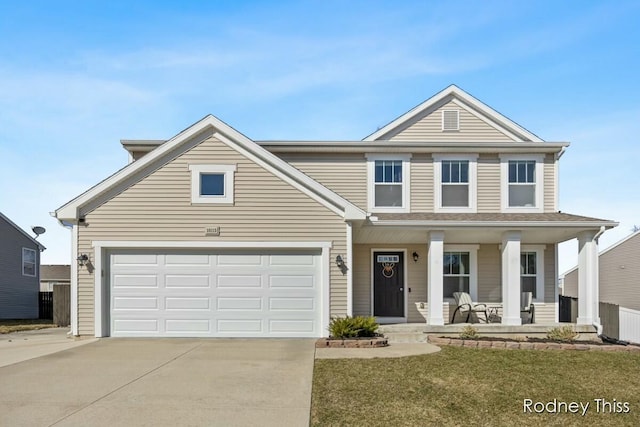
{"points": [[492, 257]]}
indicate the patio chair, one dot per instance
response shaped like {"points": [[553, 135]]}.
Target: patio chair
{"points": [[466, 305], [526, 305]]}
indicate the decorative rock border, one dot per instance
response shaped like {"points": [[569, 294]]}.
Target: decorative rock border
{"points": [[352, 343], [513, 345]]}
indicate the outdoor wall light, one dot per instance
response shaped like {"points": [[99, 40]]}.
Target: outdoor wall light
{"points": [[83, 259], [416, 256], [339, 261]]}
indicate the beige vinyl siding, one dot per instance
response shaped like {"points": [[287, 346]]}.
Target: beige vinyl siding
{"points": [[620, 274], [422, 182], [344, 173], [570, 284], [429, 128], [489, 274], [489, 196], [416, 278], [159, 208], [549, 184]]}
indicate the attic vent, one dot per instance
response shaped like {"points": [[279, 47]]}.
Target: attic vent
{"points": [[450, 120]]}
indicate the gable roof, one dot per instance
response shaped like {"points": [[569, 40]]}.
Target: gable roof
{"points": [[11, 223], [466, 101], [610, 248], [164, 153], [55, 273]]}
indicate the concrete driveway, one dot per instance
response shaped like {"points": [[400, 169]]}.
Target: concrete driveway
{"points": [[158, 382]]}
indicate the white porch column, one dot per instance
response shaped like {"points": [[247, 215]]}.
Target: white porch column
{"points": [[435, 256], [511, 278], [588, 310]]}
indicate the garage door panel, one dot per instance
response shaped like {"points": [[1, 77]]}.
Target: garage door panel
{"points": [[238, 281], [181, 260], [191, 293], [239, 304], [290, 281], [186, 281], [291, 304], [187, 303], [180, 326], [135, 281], [135, 303]]}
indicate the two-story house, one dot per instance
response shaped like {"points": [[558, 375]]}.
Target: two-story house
{"points": [[211, 233]]}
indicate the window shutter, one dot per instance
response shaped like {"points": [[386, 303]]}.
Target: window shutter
{"points": [[450, 120]]}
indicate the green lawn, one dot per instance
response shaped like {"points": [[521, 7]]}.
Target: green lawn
{"points": [[8, 326], [464, 386]]}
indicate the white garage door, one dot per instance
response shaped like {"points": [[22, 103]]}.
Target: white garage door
{"points": [[226, 294]]}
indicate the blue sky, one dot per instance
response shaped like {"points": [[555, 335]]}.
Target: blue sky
{"points": [[78, 76]]}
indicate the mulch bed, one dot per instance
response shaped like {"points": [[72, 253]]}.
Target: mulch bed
{"points": [[530, 344]]}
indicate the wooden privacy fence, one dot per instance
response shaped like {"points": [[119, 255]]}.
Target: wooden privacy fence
{"points": [[610, 320], [61, 305], [56, 305]]}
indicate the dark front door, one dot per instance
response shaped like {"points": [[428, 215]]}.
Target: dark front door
{"points": [[388, 284]]}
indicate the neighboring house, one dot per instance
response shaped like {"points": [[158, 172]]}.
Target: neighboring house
{"points": [[19, 265], [211, 233], [619, 274], [51, 275]]}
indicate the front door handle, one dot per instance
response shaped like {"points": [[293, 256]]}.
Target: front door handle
{"points": [[402, 289]]}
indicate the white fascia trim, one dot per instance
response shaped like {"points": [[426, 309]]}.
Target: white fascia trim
{"points": [[297, 179], [485, 119], [101, 315], [610, 248], [204, 244], [460, 94], [539, 251], [473, 182], [227, 170], [473, 265], [504, 182], [406, 182], [496, 224]]}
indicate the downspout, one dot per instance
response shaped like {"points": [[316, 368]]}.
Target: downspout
{"points": [[597, 323]]}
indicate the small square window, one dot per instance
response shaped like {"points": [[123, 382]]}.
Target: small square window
{"points": [[212, 183]]}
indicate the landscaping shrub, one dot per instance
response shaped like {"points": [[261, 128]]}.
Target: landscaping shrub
{"points": [[562, 333], [353, 327], [469, 333]]}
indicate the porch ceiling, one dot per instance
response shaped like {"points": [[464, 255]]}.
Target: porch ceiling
{"points": [[541, 228]]}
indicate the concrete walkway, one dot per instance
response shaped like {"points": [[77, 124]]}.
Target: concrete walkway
{"points": [[162, 382], [20, 346]]}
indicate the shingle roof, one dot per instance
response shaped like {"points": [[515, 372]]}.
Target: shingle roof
{"points": [[55, 273], [491, 217]]}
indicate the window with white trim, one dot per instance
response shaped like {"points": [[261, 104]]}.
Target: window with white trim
{"points": [[460, 270], [532, 271], [455, 178], [29, 257], [212, 183], [522, 183], [388, 183], [457, 273]]}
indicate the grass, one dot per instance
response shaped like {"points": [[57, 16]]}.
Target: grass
{"points": [[463, 386], [8, 326]]}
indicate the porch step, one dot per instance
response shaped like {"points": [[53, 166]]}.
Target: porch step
{"points": [[404, 332]]}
